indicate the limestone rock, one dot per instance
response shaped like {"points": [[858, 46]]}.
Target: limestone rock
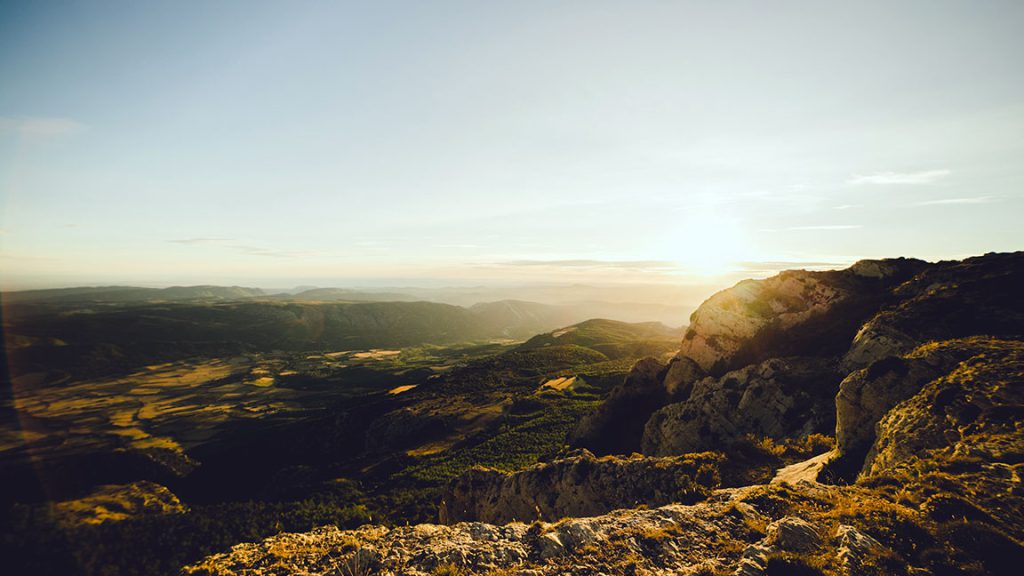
{"points": [[867, 395], [971, 410], [793, 313], [793, 534], [675, 539], [876, 341], [976, 296], [964, 427], [754, 560], [581, 485], [780, 397], [550, 546], [853, 547], [680, 377]]}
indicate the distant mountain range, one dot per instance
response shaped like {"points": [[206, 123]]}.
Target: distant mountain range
{"points": [[90, 331], [624, 303], [128, 294]]}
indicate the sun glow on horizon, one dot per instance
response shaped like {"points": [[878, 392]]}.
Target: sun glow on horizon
{"points": [[709, 241]]}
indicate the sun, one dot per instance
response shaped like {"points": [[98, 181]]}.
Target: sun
{"points": [[709, 242]]}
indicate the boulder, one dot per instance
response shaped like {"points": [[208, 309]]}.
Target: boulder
{"points": [[854, 548], [680, 377], [793, 534]]}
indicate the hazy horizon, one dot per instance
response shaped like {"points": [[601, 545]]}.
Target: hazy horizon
{"points": [[460, 143]]}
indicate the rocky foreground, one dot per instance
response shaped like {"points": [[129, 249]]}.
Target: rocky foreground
{"points": [[916, 369]]}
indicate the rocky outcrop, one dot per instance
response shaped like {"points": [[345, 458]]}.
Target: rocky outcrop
{"points": [[973, 410], [867, 395], [976, 296], [585, 544], [956, 447], [870, 312], [778, 398], [750, 531], [617, 426], [675, 539], [680, 377], [581, 485], [793, 313]]}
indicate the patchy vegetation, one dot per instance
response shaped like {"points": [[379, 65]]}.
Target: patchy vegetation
{"points": [[923, 475]]}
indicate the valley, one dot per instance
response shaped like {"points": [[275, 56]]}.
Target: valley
{"points": [[829, 423], [264, 438]]}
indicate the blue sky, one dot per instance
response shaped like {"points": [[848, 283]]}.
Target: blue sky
{"points": [[271, 143]]}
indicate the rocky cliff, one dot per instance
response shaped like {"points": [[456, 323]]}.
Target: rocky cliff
{"points": [[947, 300], [790, 314], [874, 310], [778, 398]]}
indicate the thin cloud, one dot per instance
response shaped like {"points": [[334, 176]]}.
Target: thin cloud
{"points": [[266, 252], [820, 227], [617, 264], [775, 266], [41, 128], [956, 201], [20, 258], [899, 178], [245, 249], [827, 227], [847, 206], [201, 241]]}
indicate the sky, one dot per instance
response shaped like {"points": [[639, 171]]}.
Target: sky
{"points": [[389, 143]]}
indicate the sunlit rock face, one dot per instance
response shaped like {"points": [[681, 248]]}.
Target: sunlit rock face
{"points": [[778, 398], [793, 313]]}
